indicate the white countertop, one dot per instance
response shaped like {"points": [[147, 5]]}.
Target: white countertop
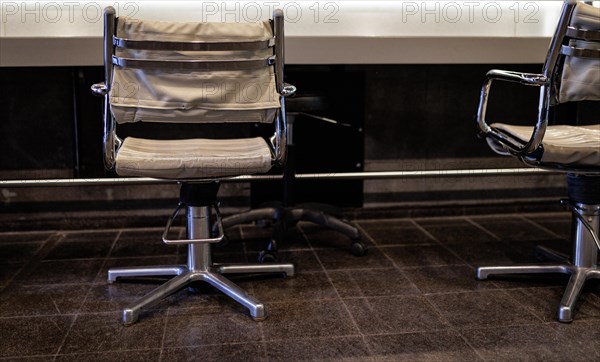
{"points": [[65, 33]]}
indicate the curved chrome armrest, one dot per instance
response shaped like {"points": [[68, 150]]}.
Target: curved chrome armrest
{"points": [[110, 141], [523, 78], [288, 90], [99, 89], [530, 79], [279, 139]]}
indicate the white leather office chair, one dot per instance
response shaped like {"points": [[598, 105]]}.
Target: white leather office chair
{"points": [[571, 73], [189, 73]]}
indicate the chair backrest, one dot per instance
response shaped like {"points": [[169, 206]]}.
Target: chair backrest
{"points": [[573, 61], [174, 72]]}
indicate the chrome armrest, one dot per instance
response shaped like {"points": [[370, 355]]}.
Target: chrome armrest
{"points": [[279, 139], [530, 79], [110, 141], [99, 89], [523, 78], [288, 90]]}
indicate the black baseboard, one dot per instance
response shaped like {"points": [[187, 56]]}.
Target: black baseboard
{"points": [[154, 213]]}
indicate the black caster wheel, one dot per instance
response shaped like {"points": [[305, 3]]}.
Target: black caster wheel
{"points": [[358, 249], [266, 256]]}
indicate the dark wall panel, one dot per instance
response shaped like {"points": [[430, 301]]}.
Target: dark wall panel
{"points": [[428, 111], [328, 134], [36, 106], [89, 123]]}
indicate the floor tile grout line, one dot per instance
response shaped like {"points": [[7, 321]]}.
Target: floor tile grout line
{"points": [[541, 227], [482, 228], [66, 235], [67, 232], [440, 316], [77, 354], [262, 342], [162, 340], [374, 241], [424, 231], [452, 327], [533, 323], [32, 232], [311, 247], [66, 260], [245, 253], [425, 295], [107, 230], [437, 310], [107, 257], [125, 258], [35, 260], [477, 353], [389, 246], [523, 305], [62, 342], [37, 316], [455, 254], [367, 220], [339, 298], [246, 259], [33, 242], [503, 290], [458, 330], [87, 294], [61, 284], [394, 265], [544, 323]]}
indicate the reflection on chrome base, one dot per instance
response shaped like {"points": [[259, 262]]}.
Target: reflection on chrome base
{"points": [[582, 267], [199, 268]]}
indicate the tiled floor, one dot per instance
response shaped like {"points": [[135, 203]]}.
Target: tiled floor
{"points": [[414, 297]]}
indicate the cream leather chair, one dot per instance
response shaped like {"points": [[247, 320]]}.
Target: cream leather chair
{"points": [[571, 73], [182, 73]]}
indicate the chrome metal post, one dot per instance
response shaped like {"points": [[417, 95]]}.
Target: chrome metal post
{"points": [[583, 265], [585, 251], [584, 258], [198, 227]]}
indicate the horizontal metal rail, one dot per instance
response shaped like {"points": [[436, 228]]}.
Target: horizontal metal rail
{"points": [[307, 176]]}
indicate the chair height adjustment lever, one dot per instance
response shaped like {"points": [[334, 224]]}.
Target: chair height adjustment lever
{"points": [[214, 240]]}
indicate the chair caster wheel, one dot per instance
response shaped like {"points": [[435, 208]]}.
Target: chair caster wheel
{"points": [[266, 256], [358, 249]]}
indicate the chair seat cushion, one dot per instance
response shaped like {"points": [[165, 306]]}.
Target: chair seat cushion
{"points": [[192, 158], [562, 145]]}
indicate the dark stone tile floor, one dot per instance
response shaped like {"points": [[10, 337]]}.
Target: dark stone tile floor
{"points": [[414, 297]]}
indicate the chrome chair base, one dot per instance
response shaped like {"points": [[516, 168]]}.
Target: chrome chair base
{"points": [[199, 268], [582, 267], [184, 277], [578, 277]]}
